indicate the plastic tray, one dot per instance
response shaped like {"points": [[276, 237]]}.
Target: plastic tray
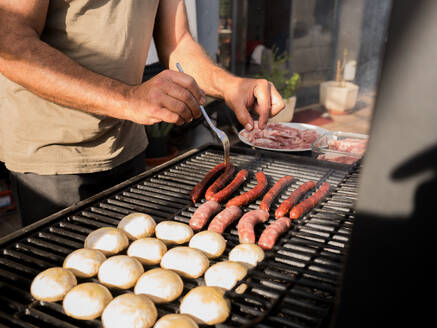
{"points": [[322, 147]]}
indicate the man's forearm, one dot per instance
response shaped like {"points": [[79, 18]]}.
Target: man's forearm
{"points": [[175, 44], [195, 62], [48, 73]]}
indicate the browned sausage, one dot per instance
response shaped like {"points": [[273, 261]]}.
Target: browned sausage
{"points": [[274, 192], [230, 188], [252, 194], [200, 187], [246, 225], [203, 213], [270, 234], [220, 182], [307, 204], [287, 204], [222, 220]]}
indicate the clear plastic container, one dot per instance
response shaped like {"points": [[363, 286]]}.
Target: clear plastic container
{"points": [[340, 147]]}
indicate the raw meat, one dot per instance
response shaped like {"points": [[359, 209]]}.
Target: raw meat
{"points": [[279, 136], [338, 158], [348, 145]]}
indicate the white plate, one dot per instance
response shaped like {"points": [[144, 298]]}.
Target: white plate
{"points": [[300, 126]]}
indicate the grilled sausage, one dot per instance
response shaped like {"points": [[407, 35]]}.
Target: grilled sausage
{"points": [[230, 188], [224, 219], [246, 225], [274, 192], [203, 213], [220, 182], [270, 234], [252, 194], [287, 204], [200, 187], [307, 204]]}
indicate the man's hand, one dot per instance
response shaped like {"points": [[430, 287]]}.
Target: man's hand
{"points": [[170, 96], [175, 44], [259, 95]]}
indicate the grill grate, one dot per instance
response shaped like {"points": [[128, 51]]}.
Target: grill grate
{"points": [[293, 287]]}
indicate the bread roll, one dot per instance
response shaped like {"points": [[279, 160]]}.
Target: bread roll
{"points": [[52, 284], [188, 262], [171, 232], [206, 305], [160, 285], [176, 321], [120, 271], [225, 274], [210, 242], [84, 263], [249, 254], [137, 225], [86, 301], [130, 310], [109, 240], [147, 250]]}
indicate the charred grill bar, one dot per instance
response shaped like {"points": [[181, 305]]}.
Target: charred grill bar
{"points": [[294, 286]]}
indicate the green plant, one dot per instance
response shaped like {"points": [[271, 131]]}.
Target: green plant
{"points": [[284, 82], [161, 129]]}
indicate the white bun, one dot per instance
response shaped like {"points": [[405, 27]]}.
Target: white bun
{"points": [[176, 321], [109, 240], [171, 232], [52, 284], [160, 285], [225, 274], [147, 250], [210, 242], [84, 263], [120, 271], [86, 301], [188, 262], [206, 305], [249, 254], [130, 310], [137, 225]]}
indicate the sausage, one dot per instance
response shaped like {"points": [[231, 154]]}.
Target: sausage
{"points": [[200, 187], [252, 194], [307, 204], [270, 234], [222, 220], [220, 182], [230, 188], [246, 225], [203, 213], [274, 192], [287, 204]]}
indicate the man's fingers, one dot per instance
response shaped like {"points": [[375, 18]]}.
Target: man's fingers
{"points": [[187, 82], [162, 114], [182, 101], [263, 101], [243, 116], [276, 99]]}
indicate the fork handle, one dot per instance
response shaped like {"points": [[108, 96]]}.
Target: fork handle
{"points": [[202, 109]]}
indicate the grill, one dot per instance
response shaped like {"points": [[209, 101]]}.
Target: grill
{"points": [[295, 285]]}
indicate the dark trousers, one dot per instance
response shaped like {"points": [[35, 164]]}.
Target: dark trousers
{"points": [[38, 196]]}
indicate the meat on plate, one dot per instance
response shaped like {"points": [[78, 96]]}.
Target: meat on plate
{"points": [[279, 136]]}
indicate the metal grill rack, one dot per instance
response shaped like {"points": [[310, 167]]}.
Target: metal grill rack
{"points": [[294, 286]]}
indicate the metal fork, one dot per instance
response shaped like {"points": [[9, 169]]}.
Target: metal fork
{"points": [[219, 133]]}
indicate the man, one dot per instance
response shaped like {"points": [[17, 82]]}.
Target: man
{"points": [[72, 103]]}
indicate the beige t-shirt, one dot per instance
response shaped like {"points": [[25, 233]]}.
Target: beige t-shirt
{"points": [[110, 37]]}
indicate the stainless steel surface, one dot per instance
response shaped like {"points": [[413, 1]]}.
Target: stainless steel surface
{"points": [[220, 134]]}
